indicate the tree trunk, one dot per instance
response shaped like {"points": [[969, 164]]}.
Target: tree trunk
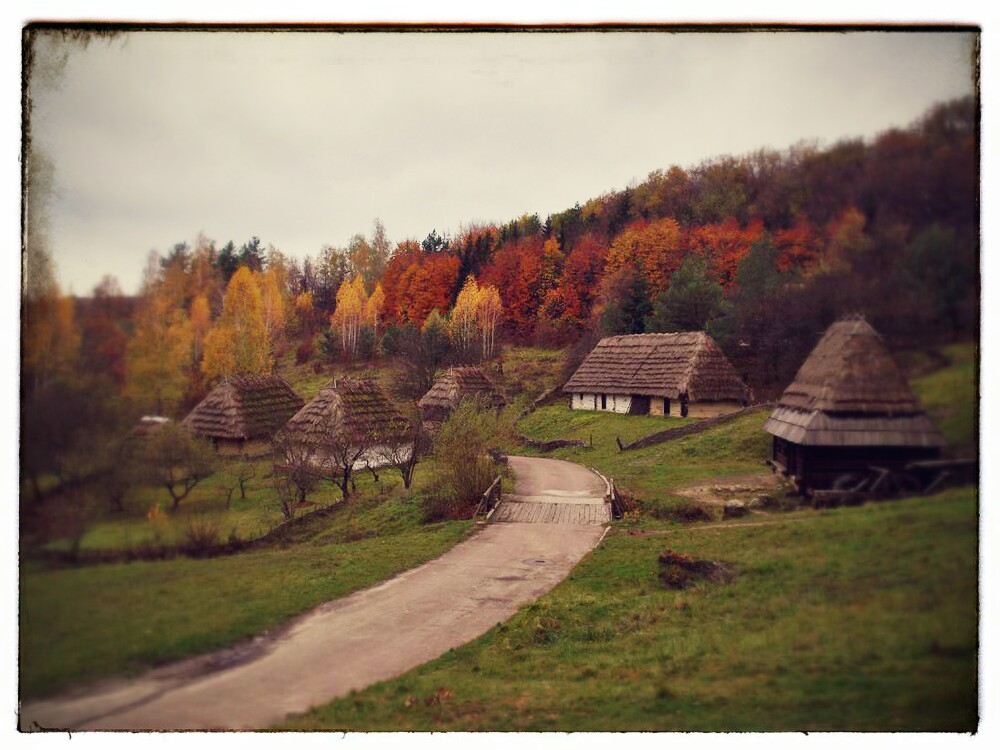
{"points": [[344, 480]]}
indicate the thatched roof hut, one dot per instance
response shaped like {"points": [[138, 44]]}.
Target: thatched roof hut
{"points": [[348, 411], [149, 424], [849, 407], [244, 411], [456, 385], [652, 369]]}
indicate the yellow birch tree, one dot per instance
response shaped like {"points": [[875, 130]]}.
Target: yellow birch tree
{"points": [[488, 313], [374, 307], [157, 357], [349, 315], [464, 324], [270, 283], [239, 342], [200, 316]]}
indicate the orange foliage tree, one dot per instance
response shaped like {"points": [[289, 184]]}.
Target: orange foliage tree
{"points": [[656, 248], [524, 273], [51, 337], [725, 245], [425, 285], [798, 246]]}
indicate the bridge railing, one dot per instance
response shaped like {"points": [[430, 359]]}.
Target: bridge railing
{"points": [[617, 506], [491, 498]]}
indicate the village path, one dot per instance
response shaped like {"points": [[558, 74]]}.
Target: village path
{"points": [[353, 642]]}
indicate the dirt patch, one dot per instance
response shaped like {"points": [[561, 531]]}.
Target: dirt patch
{"points": [[755, 491], [679, 571]]}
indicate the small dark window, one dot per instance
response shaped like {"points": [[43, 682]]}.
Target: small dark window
{"points": [[604, 401], [666, 406]]}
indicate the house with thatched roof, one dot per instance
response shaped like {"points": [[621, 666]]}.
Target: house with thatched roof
{"points": [[243, 412], [849, 409], [148, 424], [663, 374], [454, 386], [349, 420]]}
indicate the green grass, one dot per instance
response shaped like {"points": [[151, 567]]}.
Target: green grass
{"points": [[529, 371], [246, 518], [80, 624], [855, 619], [560, 421], [307, 382], [951, 399]]}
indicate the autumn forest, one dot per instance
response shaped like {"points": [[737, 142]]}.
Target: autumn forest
{"points": [[763, 250]]}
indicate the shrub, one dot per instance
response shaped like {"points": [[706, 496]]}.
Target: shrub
{"points": [[201, 531], [689, 513], [305, 351], [464, 470]]}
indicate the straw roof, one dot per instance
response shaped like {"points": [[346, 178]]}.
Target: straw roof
{"points": [[659, 364], [850, 391], [356, 408], [459, 383], [244, 407]]}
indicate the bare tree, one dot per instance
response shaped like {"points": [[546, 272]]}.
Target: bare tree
{"points": [[243, 472], [404, 455], [177, 461], [299, 468], [286, 494], [341, 452]]}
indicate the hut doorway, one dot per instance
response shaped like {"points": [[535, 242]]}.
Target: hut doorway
{"points": [[639, 405]]}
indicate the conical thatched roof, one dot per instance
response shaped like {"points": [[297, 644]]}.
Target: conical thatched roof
{"points": [[659, 364], [356, 408], [850, 391], [459, 383], [244, 407]]}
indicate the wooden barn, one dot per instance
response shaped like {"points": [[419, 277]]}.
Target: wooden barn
{"points": [[350, 419], [454, 386], [848, 410], [669, 374], [242, 413]]}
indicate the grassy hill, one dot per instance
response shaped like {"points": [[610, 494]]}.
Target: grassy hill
{"points": [[81, 624], [850, 619], [867, 614], [854, 619]]}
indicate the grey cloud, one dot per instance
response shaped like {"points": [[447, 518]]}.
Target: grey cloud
{"points": [[303, 139]]}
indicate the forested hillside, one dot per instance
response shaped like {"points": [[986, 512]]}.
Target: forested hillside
{"points": [[763, 250]]}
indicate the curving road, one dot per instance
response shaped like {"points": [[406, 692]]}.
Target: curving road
{"points": [[369, 636]]}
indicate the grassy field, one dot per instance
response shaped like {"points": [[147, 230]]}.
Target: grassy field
{"points": [[862, 616], [529, 371], [245, 518], [854, 619], [950, 397], [80, 624]]}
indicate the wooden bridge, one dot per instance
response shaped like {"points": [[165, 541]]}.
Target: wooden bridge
{"points": [[566, 494]]}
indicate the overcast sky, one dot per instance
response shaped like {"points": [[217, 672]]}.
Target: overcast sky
{"points": [[303, 139]]}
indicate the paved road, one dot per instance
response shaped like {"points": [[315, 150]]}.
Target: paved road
{"points": [[350, 643]]}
